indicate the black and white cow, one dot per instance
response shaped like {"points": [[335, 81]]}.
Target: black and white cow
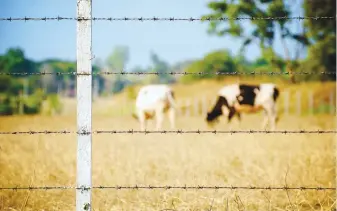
{"points": [[153, 101], [243, 98]]}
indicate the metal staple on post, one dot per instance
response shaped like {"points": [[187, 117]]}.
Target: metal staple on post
{"points": [[84, 105]]}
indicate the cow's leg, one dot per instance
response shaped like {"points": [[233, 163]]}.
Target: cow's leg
{"points": [[231, 114], [171, 114], [159, 117], [142, 120], [273, 116], [266, 119], [238, 115], [270, 111], [237, 110]]}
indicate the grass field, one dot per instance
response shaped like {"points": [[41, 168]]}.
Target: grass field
{"points": [[158, 159]]}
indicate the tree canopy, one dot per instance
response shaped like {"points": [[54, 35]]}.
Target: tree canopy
{"points": [[317, 35]]}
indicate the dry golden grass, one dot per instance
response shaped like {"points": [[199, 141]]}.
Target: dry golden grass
{"points": [[158, 159]]}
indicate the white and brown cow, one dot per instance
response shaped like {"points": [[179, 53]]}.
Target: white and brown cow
{"points": [[153, 101], [243, 98]]}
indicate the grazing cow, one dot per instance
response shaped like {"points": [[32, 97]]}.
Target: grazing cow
{"points": [[238, 98], [153, 101]]}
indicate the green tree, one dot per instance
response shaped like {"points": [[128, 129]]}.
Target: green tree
{"points": [[263, 32], [322, 37], [14, 61], [117, 61], [219, 61], [97, 67], [55, 83], [161, 67]]}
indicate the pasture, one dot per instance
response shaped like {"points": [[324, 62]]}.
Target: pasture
{"points": [[171, 159]]}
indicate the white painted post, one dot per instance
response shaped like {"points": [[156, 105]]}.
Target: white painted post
{"points": [[286, 102], [299, 105], [311, 102], [84, 106]]}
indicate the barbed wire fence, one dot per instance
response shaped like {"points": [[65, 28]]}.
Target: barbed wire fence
{"points": [[254, 73], [191, 19], [84, 104], [85, 132]]}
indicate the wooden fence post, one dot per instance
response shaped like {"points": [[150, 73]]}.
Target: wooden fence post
{"points": [[331, 103], [25, 87], [204, 106], [59, 88], [299, 103], [321, 106], [311, 102], [187, 108], [286, 102], [196, 107], [84, 106], [21, 97]]}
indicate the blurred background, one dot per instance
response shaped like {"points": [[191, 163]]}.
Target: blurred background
{"points": [[48, 102], [283, 45]]}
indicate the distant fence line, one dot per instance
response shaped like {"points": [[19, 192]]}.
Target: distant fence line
{"points": [[290, 103]]}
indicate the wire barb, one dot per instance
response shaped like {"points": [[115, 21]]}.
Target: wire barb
{"points": [[131, 131], [170, 19], [167, 187], [167, 73]]}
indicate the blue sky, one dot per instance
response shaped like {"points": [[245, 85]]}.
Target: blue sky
{"points": [[172, 41]]}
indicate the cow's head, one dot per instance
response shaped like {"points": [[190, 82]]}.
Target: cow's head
{"points": [[212, 119], [220, 108]]}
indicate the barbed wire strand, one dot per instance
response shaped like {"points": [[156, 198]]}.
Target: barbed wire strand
{"points": [[141, 19], [83, 132], [167, 73], [167, 187]]}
